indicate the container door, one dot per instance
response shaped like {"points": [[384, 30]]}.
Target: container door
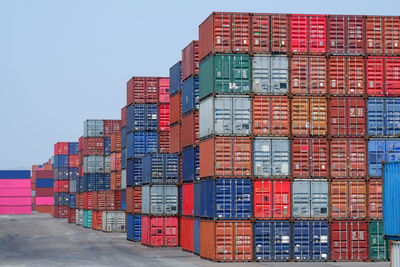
{"points": [[261, 74], [241, 116], [319, 199], [301, 199]]}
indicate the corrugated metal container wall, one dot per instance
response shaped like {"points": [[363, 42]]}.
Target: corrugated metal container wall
{"points": [[133, 227], [190, 164], [348, 199], [308, 75], [383, 116], [383, 76], [175, 78], [379, 249], [160, 231], [61, 148], [190, 60], [308, 33], [190, 129], [145, 143], [123, 117], [197, 236], [163, 91], [110, 127], [310, 199], [145, 117], [93, 128], [187, 200], [391, 200], [382, 150], [163, 142], [141, 90], [175, 141], [347, 116], [346, 76], [160, 169], [187, 234], [160, 200], [382, 35], [175, 108], [190, 94], [226, 241], [394, 253], [375, 201], [309, 116]]}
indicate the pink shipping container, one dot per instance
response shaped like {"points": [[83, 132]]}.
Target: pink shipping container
{"points": [[15, 192], [308, 33], [163, 91], [15, 183], [160, 231], [190, 60], [15, 201], [15, 209], [44, 201]]}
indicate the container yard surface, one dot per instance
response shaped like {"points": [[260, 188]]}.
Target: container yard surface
{"points": [[40, 240]]}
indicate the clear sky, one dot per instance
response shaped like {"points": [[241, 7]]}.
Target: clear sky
{"points": [[62, 62]]}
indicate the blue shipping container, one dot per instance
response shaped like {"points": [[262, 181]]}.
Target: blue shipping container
{"points": [[197, 236], [61, 161], [391, 200], [310, 240], [160, 169], [129, 145], [379, 150], [190, 94], [383, 116], [123, 196], [61, 173], [44, 183], [226, 198], [133, 227], [123, 137], [99, 182], [175, 77], [81, 185], [72, 201], [137, 171], [272, 240], [145, 117], [123, 158], [107, 182], [143, 143], [73, 173], [6, 174], [90, 181], [197, 202], [129, 118], [73, 148], [61, 199], [190, 164], [129, 172], [107, 145]]}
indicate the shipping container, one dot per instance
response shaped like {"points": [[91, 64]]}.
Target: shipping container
{"points": [[190, 94], [93, 128], [113, 221], [374, 199], [175, 78], [115, 163], [379, 249], [224, 74], [270, 74], [349, 241], [97, 220], [348, 158], [87, 218], [310, 157], [190, 129], [72, 215], [187, 200], [347, 117], [272, 199], [133, 227], [93, 146], [61, 161], [309, 116], [160, 169], [116, 143], [225, 157], [123, 117], [163, 90], [145, 117], [348, 199], [175, 108], [270, 115], [310, 199], [380, 150], [383, 116], [310, 240], [346, 76], [111, 127], [190, 164], [226, 241], [308, 75], [308, 33], [42, 183], [73, 148], [225, 115], [61, 148], [141, 143], [93, 164], [175, 141], [197, 236], [163, 117], [383, 77], [186, 234], [58, 211], [190, 60], [160, 200], [391, 200], [142, 90], [382, 35], [160, 231]]}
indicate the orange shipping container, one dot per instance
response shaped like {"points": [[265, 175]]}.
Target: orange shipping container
{"points": [[375, 199], [382, 35], [271, 115], [190, 129], [309, 116], [225, 157], [116, 180], [44, 209], [115, 163], [116, 142], [226, 241], [346, 76], [163, 142], [97, 220], [348, 199], [308, 75], [175, 108], [175, 138]]}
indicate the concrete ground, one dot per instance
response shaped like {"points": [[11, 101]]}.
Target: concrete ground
{"points": [[40, 240]]}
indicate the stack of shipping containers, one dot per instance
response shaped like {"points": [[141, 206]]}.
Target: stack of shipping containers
{"points": [[44, 191], [65, 167], [15, 192]]}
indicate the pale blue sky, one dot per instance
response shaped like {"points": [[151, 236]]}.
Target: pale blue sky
{"points": [[62, 62]]}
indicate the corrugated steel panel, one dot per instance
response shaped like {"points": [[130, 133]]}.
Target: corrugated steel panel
{"points": [[141, 90], [308, 75], [197, 236], [383, 77], [160, 169], [133, 227], [163, 117], [187, 200], [379, 150], [186, 228], [190, 94], [308, 33], [163, 90], [190, 164], [310, 240], [310, 199], [270, 74], [160, 231], [190, 60], [309, 116], [93, 128], [141, 143], [160, 200], [175, 108], [379, 249], [391, 200], [348, 199], [383, 116], [346, 76], [175, 78], [145, 117], [382, 35], [190, 129]]}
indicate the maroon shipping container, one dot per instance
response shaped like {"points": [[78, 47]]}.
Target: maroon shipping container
{"points": [[349, 241], [61, 186], [101, 200], [190, 60], [346, 76], [348, 199], [175, 138], [348, 158], [61, 148], [382, 35], [163, 142], [44, 192], [60, 211], [310, 157], [224, 32], [71, 215], [73, 161], [383, 76], [111, 127], [142, 90], [123, 117], [80, 143], [187, 200], [186, 234], [163, 117], [190, 129], [175, 108], [269, 33], [308, 33], [346, 35], [375, 203], [347, 116], [308, 75], [163, 91], [116, 142], [93, 146], [43, 174]]}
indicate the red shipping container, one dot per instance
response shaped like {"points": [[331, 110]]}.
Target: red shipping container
{"points": [[116, 142], [97, 220], [348, 158], [116, 180], [187, 234], [347, 116], [175, 138], [188, 199], [309, 116], [375, 207], [190, 60], [163, 117], [225, 157], [44, 209], [123, 117], [163, 142], [160, 231], [129, 199], [134, 199], [271, 115], [60, 211], [71, 215], [73, 161], [226, 241], [115, 161], [348, 199], [163, 85], [308, 33], [93, 146], [271, 199], [113, 200], [346, 35], [43, 174], [383, 76], [61, 148], [346, 76], [111, 127], [81, 200], [349, 241], [175, 108], [224, 32], [308, 75], [190, 129], [61, 186], [310, 157], [80, 144], [382, 35], [101, 200], [89, 199], [45, 192], [142, 90]]}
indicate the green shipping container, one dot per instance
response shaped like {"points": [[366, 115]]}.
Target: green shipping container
{"points": [[87, 218], [378, 248], [224, 73]]}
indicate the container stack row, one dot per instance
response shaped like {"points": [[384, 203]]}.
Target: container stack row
{"points": [[15, 192], [47, 185]]}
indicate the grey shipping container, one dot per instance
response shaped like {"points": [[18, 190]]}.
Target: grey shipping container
{"points": [[310, 199], [79, 216], [33, 194], [93, 128], [270, 74], [271, 157], [72, 185], [93, 164], [160, 200], [113, 221], [123, 179], [225, 115], [395, 253], [107, 164]]}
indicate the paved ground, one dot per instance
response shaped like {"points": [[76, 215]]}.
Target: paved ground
{"points": [[40, 240]]}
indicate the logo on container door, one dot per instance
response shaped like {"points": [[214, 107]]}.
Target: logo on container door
{"points": [[357, 235]]}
